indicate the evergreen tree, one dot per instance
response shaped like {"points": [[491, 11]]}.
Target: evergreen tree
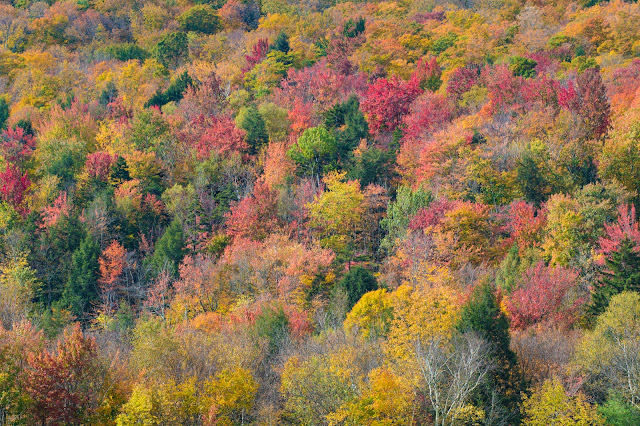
{"points": [[500, 394], [523, 67], [109, 94], [356, 127], [353, 28], [119, 172], [282, 43], [126, 52], [272, 325], [26, 125], [357, 282], [174, 92], [53, 258], [4, 113], [349, 126], [531, 181], [253, 123], [373, 166], [173, 49], [169, 248], [621, 273], [81, 289]]}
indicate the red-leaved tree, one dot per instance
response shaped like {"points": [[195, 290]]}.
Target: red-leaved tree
{"points": [[545, 295], [214, 134], [318, 85], [387, 101], [427, 74], [59, 208], [98, 165], [13, 187], [587, 97], [625, 228], [525, 224], [461, 80], [112, 263], [17, 146], [593, 106], [258, 53], [63, 384], [428, 113], [255, 216]]}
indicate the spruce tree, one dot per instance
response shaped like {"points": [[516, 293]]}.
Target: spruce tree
{"points": [[621, 273], [500, 394], [357, 282], [174, 92], [4, 113], [349, 126], [169, 249], [253, 123], [173, 49], [531, 181], [282, 43], [81, 289]]}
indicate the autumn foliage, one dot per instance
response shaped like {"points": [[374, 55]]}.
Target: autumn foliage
{"points": [[324, 213]]}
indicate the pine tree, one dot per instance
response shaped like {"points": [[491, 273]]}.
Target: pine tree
{"points": [[356, 127], [500, 395], [81, 289], [621, 273], [119, 171], [353, 28]]}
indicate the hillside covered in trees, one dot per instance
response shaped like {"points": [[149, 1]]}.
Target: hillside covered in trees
{"points": [[317, 212]]}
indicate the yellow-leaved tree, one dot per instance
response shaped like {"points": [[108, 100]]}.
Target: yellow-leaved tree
{"points": [[426, 310], [612, 348], [233, 393], [550, 405], [313, 389], [18, 284], [337, 214], [371, 316], [386, 400]]}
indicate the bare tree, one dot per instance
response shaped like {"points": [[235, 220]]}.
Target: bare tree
{"points": [[624, 368], [452, 371]]}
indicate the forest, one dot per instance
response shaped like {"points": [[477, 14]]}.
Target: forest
{"points": [[319, 212]]}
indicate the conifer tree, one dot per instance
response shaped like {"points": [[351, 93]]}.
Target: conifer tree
{"points": [[357, 282], [173, 49], [531, 180], [4, 113], [349, 126], [621, 273], [169, 248], [81, 289], [282, 43], [500, 394], [253, 123]]}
